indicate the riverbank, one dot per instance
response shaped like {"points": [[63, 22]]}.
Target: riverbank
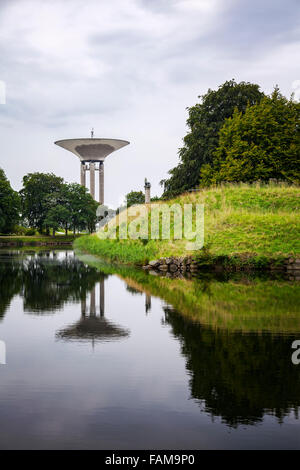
{"points": [[246, 227], [58, 240]]}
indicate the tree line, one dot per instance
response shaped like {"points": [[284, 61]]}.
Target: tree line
{"points": [[46, 203], [238, 134]]}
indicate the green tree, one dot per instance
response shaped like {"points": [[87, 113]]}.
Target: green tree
{"points": [[48, 202], [82, 208], [91, 214], [204, 122], [9, 205], [134, 197], [260, 144], [58, 216], [40, 192]]}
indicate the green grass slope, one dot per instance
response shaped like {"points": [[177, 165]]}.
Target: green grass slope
{"points": [[260, 220]]}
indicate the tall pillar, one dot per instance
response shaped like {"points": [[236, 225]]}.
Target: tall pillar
{"points": [[147, 192], [101, 182], [102, 298], [82, 174], [92, 179]]}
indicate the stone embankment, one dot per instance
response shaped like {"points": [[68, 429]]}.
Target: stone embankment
{"points": [[191, 266]]}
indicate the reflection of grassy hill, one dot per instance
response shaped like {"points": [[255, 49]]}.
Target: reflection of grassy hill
{"points": [[260, 220], [236, 305], [242, 304]]}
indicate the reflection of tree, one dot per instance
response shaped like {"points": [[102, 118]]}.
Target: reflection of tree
{"points": [[47, 284], [238, 377], [45, 280], [10, 280]]}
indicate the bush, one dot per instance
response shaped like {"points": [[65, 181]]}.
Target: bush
{"points": [[30, 232], [19, 230]]}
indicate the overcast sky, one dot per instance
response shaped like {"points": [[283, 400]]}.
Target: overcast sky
{"points": [[129, 68]]}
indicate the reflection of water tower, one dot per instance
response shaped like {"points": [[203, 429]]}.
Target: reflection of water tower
{"points": [[92, 327], [92, 309], [92, 153]]}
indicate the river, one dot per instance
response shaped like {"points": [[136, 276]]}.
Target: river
{"points": [[101, 358]]}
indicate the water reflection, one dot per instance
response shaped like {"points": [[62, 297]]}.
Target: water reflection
{"points": [[45, 280], [236, 337], [10, 280], [52, 279], [147, 303], [93, 326], [234, 358], [135, 291], [240, 377]]}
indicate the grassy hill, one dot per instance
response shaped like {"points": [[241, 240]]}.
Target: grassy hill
{"points": [[257, 220]]}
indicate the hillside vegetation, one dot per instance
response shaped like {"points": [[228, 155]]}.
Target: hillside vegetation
{"points": [[261, 220]]}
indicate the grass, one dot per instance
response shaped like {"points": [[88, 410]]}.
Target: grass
{"points": [[121, 251], [257, 220], [35, 240]]}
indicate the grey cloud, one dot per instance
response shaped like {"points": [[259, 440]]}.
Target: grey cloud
{"points": [[133, 69], [253, 28]]}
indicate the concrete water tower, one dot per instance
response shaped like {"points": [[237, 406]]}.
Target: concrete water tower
{"points": [[92, 153]]}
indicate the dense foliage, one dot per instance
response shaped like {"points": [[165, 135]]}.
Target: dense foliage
{"points": [[134, 197], [260, 144], [9, 205], [49, 203], [204, 122], [40, 192]]}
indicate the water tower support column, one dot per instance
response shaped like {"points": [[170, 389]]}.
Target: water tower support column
{"points": [[82, 174], [101, 182], [92, 179]]}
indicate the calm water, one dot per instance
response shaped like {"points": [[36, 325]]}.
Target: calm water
{"points": [[92, 361]]}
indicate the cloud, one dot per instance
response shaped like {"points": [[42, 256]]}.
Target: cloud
{"points": [[76, 52], [129, 68]]}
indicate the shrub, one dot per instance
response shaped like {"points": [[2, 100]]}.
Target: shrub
{"points": [[30, 232], [19, 230]]}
